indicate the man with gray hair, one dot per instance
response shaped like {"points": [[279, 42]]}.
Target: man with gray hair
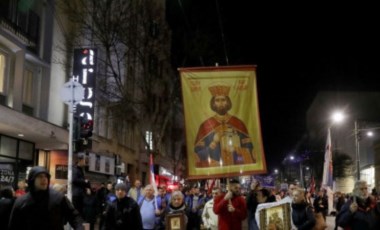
{"points": [[360, 211], [148, 208]]}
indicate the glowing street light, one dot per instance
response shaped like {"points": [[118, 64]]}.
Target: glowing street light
{"points": [[337, 117], [357, 131]]}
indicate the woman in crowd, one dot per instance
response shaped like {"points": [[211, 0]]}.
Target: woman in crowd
{"points": [[176, 206]]}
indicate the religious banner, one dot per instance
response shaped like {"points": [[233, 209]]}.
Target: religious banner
{"points": [[223, 132]]}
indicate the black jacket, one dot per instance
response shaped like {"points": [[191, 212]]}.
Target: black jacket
{"points": [[303, 216], [79, 181], [123, 214], [5, 211], [43, 210], [366, 217]]}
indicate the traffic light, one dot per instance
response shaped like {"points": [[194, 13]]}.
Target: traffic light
{"points": [[86, 127]]}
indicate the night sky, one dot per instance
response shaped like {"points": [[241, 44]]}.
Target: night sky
{"points": [[298, 51]]}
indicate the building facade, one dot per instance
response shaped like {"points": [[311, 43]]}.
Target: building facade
{"points": [[32, 122], [36, 59]]}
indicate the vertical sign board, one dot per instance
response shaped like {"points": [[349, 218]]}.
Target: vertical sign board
{"points": [[84, 70]]}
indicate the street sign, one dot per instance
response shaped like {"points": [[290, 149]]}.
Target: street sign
{"points": [[72, 93]]}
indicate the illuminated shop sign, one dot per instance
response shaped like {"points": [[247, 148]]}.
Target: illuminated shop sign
{"points": [[84, 73]]}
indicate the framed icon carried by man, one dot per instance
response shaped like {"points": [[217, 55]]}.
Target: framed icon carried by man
{"points": [[223, 133]]}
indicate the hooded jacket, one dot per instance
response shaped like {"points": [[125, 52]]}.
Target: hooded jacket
{"points": [[44, 209]]}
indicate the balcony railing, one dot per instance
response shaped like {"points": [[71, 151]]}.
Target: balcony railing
{"points": [[25, 25]]}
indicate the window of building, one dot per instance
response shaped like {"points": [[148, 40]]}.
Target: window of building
{"points": [[26, 150], [149, 139], [2, 73], [28, 92], [3, 78], [8, 146], [27, 95]]}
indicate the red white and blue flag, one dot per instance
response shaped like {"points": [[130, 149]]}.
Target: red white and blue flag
{"points": [[152, 178], [327, 180], [312, 185]]}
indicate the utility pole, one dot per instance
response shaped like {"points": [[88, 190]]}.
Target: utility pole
{"points": [[71, 94]]}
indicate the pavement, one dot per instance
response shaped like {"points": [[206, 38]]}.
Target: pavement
{"points": [[330, 220]]}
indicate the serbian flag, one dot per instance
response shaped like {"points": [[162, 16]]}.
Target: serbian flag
{"points": [[312, 185], [327, 180], [152, 178]]}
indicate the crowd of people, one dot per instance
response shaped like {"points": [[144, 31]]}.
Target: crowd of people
{"points": [[40, 205]]}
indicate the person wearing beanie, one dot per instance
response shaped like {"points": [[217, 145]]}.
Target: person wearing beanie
{"points": [[123, 212], [43, 208]]}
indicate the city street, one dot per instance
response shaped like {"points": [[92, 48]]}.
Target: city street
{"points": [[329, 219]]}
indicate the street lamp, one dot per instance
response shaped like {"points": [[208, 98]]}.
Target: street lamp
{"points": [[357, 131]]}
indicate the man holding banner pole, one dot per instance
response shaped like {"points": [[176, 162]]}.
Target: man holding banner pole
{"points": [[230, 207]]}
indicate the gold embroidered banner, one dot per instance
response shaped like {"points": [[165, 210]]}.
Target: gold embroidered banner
{"points": [[223, 133]]}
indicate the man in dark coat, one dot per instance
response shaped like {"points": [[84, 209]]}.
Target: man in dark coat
{"points": [[43, 208], [360, 212], [321, 203], [122, 213], [7, 199], [79, 184]]}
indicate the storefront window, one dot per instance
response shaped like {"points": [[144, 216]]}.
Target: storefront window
{"points": [[26, 150], [8, 146], [13, 165]]}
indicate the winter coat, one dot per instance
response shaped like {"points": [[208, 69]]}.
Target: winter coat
{"points": [[210, 220], [79, 182], [44, 209], [122, 214], [230, 220], [303, 216], [366, 217], [181, 210], [5, 211]]}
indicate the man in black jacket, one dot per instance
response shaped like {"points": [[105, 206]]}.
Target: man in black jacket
{"points": [[122, 213], [79, 184], [43, 208], [360, 211]]}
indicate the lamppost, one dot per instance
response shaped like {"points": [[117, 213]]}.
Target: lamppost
{"points": [[357, 131]]}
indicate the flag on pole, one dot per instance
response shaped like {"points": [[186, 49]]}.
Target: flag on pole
{"points": [[210, 187], [327, 180], [152, 178], [312, 185]]}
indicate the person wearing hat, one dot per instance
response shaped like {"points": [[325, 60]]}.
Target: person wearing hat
{"points": [[43, 208], [123, 212], [222, 137], [230, 207]]}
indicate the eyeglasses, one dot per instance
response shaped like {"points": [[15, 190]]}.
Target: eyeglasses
{"points": [[364, 188]]}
